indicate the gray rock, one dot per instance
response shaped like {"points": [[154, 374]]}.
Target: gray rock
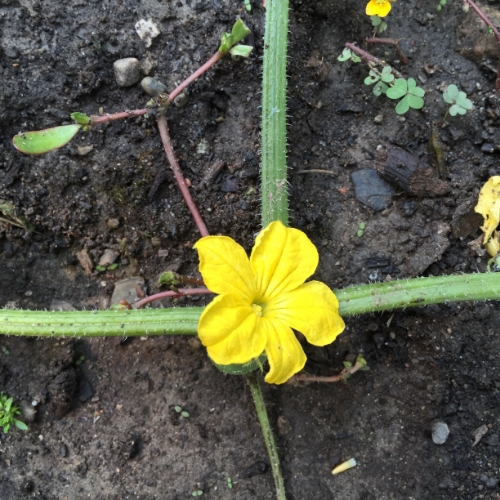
{"points": [[181, 100], [440, 432], [108, 257], [153, 87], [489, 482], [126, 290], [113, 223], [371, 190], [127, 71]]}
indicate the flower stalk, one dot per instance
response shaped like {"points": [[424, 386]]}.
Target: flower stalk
{"points": [[267, 432]]}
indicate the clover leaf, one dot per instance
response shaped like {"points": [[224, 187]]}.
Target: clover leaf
{"points": [[411, 94], [458, 100], [348, 54], [387, 76]]}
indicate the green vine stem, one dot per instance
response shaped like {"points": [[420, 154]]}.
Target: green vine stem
{"points": [[267, 432], [273, 170], [184, 320]]}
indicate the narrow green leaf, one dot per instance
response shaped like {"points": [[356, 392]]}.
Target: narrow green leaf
{"points": [[43, 141], [20, 425]]}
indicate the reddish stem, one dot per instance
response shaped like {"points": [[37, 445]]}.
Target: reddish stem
{"points": [[171, 293], [367, 57], [94, 120], [167, 145], [390, 41], [488, 23], [333, 378], [216, 57]]}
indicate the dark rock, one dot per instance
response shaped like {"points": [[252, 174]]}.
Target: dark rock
{"points": [[371, 190], [259, 467], [229, 186], [85, 392]]}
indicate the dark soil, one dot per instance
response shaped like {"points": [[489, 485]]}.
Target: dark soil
{"points": [[107, 428]]}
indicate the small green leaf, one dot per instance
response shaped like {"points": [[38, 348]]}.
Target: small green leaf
{"points": [[375, 21], [388, 78], [227, 41], [347, 364], [346, 54], [241, 51], [369, 80], [185, 414], [380, 88], [112, 267], [399, 89], [101, 269], [360, 233], [463, 101], [362, 225], [43, 141], [355, 58], [168, 278], [80, 118], [20, 425], [415, 102], [177, 408], [403, 105], [386, 70], [240, 30], [450, 94], [417, 91]]}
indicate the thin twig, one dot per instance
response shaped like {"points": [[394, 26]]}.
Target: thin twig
{"points": [[167, 145], [316, 171], [334, 378], [179, 293], [367, 57], [394, 43]]}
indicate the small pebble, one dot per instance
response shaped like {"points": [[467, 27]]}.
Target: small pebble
{"points": [[63, 451], [147, 30], [284, 426], [127, 71], [109, 257], [113, 223], [440, 432], [181, 100], [153, 87], [379, 119], [155, 241]]}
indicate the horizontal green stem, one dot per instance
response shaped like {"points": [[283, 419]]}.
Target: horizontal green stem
{"points": [[184, 321]]}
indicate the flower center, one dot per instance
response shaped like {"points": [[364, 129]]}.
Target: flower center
{"points": [[257, 309]]}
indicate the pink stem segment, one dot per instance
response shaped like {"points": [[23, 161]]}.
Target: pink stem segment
{"points": [[367, 57], [167, 145], [171, 293], [94, 120], [216, 57], [488, 23]]}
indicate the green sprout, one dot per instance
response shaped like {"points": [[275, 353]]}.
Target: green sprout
{"points": [[248, 5], [229, 40], [7, 412], [348, 54], [80, 360], [411, 94], [440, 5], [178, 409], [381, 79], [229, 483], [379, 25], [361, 229], [197, 493], [458, 100]]}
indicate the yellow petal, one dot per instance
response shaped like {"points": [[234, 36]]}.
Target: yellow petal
{"points": [[312, 309], [283, 350], [230, 330], [225, 267], [282, 259], [489, 206], [493, 245], [376, 8]]}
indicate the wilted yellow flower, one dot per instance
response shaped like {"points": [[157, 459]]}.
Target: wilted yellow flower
{"points": [[489, 207], [262, 298], [378, 8]]}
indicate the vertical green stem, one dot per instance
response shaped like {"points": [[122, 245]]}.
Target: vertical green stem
{"points": [[273, 171], [258, 400]]}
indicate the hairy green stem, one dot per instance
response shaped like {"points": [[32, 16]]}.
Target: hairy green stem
{"points": [[267, 432], [184, 321], [274, 190]]}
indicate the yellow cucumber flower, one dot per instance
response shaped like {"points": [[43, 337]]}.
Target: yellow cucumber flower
{"points": [[262, 298], [378, 8], [488, 206]]}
